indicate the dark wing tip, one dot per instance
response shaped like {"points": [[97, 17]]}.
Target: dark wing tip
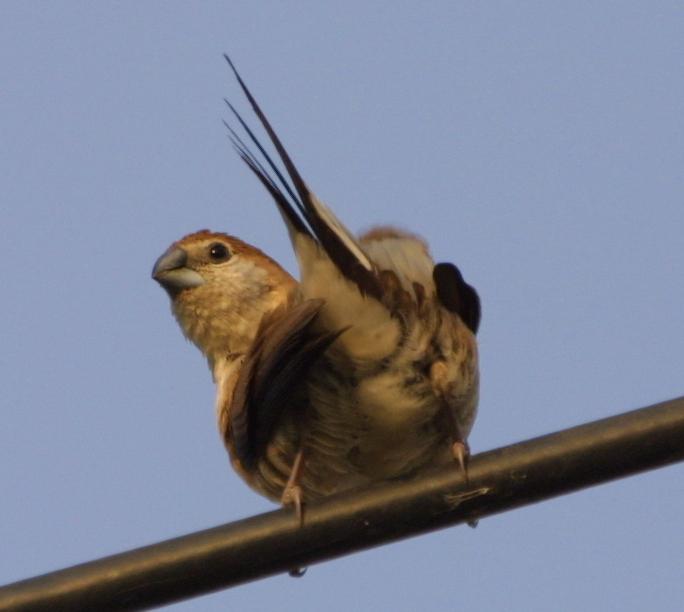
{"points": [[275, 368], [456, 295], [232, 66], [335, 240]]}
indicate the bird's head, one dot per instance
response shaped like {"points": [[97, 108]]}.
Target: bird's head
{"points": [[220, 288]]}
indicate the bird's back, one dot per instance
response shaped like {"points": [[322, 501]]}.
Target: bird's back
{"points": [[373, 409]]}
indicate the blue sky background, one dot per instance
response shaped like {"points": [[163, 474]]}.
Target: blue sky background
{"points": [[537, 144]]}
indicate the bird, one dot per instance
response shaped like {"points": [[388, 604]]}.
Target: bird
{"points": [[363, 370]]}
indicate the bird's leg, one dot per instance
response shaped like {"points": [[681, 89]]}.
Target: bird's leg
{"points": [[292, 493], [439, 377], [292, 496], [460, 452]]}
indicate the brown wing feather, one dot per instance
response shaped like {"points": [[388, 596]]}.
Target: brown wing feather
{"points": [[456, 295], [279, 359], [335, 239]]}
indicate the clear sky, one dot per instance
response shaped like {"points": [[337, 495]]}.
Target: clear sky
{"points": [[539, 145]]}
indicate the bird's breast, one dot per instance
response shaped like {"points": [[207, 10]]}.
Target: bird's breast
{"points": [[374, 427]]}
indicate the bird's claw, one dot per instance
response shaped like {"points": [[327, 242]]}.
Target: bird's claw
{"points": [[292, 493], [460, 452], [292, 496]]}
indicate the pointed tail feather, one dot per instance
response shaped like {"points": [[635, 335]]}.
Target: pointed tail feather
{"points": [[342, 248]]}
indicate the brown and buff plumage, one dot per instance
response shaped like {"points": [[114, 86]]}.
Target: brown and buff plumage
{"points": [[366, 369]]}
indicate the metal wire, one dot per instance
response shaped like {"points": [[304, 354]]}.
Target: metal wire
{"points": [[267, 544]]}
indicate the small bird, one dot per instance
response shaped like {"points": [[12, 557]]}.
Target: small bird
{"points": [[364, 370]]}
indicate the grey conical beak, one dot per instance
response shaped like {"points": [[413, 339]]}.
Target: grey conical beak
{"points": [[170, 271]]}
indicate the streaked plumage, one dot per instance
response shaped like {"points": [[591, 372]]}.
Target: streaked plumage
{"points": [[365, 369]]}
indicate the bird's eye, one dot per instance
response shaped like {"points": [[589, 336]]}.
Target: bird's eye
{"points": [[218, 252]]}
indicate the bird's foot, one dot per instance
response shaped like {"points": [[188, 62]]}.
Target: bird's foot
{"points": [[460, 452], [292, 493], [292, 496]]}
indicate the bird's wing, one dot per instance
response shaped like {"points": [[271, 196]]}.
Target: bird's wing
{"points": [[386, 272], [278, 360], [456, 295], [305, 215]]}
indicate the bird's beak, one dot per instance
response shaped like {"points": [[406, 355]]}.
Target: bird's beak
{"points": [[170, 272]]}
